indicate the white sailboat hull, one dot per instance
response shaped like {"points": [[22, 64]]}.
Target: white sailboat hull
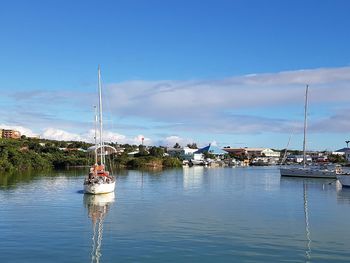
{"points": [[308, 172], [99, 188], [344, 179]]}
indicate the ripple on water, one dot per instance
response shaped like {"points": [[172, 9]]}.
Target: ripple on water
{"points": [[190, 215]]}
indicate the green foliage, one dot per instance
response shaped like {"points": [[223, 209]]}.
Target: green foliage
{"points": [[142, 151], [171, 162], [335, 158], [120, 161], [77, 145], [27, 154], [177, 146], [209, 155], [192, 145], [135, 163], [156, 151]]}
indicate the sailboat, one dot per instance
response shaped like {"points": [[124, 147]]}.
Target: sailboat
{"points": [[99, 181], [309, 171]]}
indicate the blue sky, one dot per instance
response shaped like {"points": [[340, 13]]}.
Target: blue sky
{"points": [[233, 72]]}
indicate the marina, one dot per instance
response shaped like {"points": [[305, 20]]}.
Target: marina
{"points": [[218, 131], [180, 215]]}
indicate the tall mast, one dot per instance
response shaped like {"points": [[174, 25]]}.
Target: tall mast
{"points": [[95, 125], [100, 114], [305, 124]]}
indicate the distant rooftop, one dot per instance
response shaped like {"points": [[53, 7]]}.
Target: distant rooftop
{"points": [[343, 150], [211, 149]]}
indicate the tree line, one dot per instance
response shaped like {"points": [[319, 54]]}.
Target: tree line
{"points": [[40, 154]]}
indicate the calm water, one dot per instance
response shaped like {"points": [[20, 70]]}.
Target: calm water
{"points": [[188, 215]]}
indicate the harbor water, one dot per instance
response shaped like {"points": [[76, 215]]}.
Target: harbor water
{"points": [[193, 214]]}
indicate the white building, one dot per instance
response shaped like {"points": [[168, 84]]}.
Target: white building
{"points": [[257, 152], [298, 158], [270, 153], [186, 153], [347, 156]]}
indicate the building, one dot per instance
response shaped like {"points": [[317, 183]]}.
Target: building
{"points": [[298, 158], [211, 149], [341, 151], [347, 155], [185, 153], [10, 134], [253, 152]]}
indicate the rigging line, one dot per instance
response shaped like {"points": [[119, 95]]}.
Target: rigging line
{"points": [[305, 125], [285, 152]]}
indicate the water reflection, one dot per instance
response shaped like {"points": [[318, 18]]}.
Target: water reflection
{"points": [[343, 195], [314, 183], [9, 180], [98, 207], [307, 226], [193, 177], [12, 179]]}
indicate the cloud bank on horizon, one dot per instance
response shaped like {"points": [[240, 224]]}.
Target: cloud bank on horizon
{"points": [[169, 111]]}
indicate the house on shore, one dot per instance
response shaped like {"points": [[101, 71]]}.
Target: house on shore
{"points": [[253, 152], [345, 152], [213, 150], [184, 153]]}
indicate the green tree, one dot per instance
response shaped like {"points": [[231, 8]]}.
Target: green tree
{"points": [[192, 145], [177, 146], [142, 150], [156, 151], [171, 162]]}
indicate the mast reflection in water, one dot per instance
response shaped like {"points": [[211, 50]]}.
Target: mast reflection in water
{"points": [[98, 207], [307, 226]]}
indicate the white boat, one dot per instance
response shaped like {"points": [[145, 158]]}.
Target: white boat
{"points": [[198, 162], [99, 181], [308, 171], [344, 178], [99, 184]]}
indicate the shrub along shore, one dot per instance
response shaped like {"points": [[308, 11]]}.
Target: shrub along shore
{"points": [[40, 154]]}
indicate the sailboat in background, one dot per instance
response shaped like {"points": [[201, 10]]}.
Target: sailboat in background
{"points": [[309, 171], [99, 181]]}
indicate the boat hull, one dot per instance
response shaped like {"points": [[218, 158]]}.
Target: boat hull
{"points": [[344, 179], [308, 173], [102, 188]]}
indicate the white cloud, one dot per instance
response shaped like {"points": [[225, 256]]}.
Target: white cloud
{"points": [[251, 104], [170, 141], [216, 105], [214, 143], [61, 135], [163, 100], [109, 136]]}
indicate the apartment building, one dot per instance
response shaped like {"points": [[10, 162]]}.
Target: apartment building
{"points": [[10, 134]]}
